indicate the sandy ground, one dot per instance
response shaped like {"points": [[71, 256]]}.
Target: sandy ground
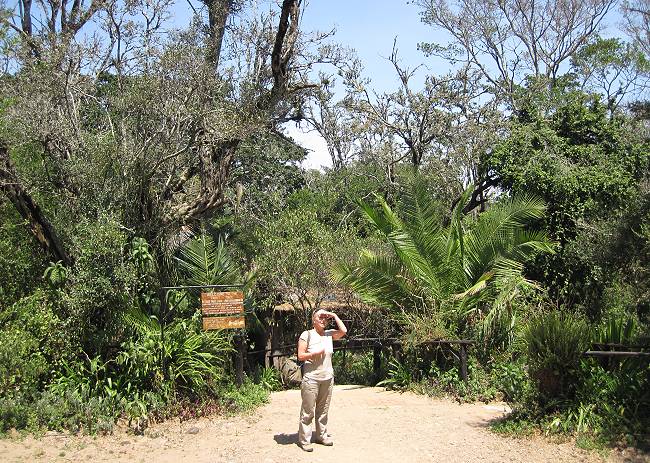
{"points": [[367, 425]]}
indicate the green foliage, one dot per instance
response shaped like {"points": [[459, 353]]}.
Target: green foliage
{"points": [[193, 360], [50, 411], [480, 384], [609, 407], [32, 343], [101, 287], [587, 163], [511, 379], [295, 252], [206, 261], [245, 398], [612, 67], [269, 379], [56, 274], [617, 330], [22, 366], [21, 261], [399, 376], [468, 270], [555, 343], [355, 368]]}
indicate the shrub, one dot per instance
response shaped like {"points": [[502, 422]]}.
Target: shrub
{"points": [[101, 286], [22, 366], [399, 376], [269, 379], [555, 343], [32, 343], [511, 379], [244, 398], [480, 384], [355, 368]]}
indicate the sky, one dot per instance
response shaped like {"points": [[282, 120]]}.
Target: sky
{"points": [[369, 27]]}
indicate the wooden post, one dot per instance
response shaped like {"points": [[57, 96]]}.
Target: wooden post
{"points": [[239, 359], [463, 362], [163, 314], [376, 361]]}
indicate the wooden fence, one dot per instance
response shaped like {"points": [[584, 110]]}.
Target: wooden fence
{"points": [[377, 344], [613, 351]]}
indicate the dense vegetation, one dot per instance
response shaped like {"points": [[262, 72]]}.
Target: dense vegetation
{"points": [[506, 202]]}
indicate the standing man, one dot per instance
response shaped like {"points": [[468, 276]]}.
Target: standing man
{"points": [[315, 348]]}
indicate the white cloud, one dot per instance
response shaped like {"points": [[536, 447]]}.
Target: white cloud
{"points": [[318, 156]]}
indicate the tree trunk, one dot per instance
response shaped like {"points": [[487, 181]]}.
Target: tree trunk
{"points": [[39, 225], [218, 13]]}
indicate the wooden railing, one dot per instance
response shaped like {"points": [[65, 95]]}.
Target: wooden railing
{"points": [[377, 344]]}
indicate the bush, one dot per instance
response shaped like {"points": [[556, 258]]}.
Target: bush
{"points": [[355, 368], [101, 287], [194, 360], [555, 343], [46, 410], [21, 260], [31, 345], [480, 385], [511, 379], [269, 379], [243, 399], [399, 376]]}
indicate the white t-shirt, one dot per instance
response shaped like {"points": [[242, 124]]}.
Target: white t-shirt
{"points": [[318, 369]]}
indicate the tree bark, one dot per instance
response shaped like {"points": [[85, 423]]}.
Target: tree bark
{"points": [[218, 13], [478, 198], [215, 161], [24, 203]]}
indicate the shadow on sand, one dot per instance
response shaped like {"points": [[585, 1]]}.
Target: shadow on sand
{"points": [[286, 439], [350, 387]]}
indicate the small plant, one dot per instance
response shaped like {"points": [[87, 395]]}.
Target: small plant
{"points": [[56, 274], [555, 343], [399, 376], [244, 398], [619, 330], [269, 379], [511, 379]]}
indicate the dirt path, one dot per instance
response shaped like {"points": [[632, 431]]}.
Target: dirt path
{"points": [[367, 424]]}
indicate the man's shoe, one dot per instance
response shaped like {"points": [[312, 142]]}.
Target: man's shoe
{"points": [[325, 441], [306, 447]]}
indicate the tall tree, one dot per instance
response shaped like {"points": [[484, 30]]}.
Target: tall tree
{"points": [[150, 135], [510, 39]]}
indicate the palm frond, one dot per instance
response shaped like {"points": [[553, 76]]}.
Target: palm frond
{"points": [[203, 261], [498, 230], [377, 280], [471, 268]]}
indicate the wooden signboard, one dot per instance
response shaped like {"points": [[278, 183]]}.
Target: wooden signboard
{"points": [[223, 310], [222, 323], [225, 303]]}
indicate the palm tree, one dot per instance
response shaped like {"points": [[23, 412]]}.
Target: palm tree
{"points": [[206, 261], [447, 277]]}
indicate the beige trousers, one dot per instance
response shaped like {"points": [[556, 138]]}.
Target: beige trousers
{"points": [[316, 396]]}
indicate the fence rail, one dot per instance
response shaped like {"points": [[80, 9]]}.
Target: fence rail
{"points": [[376, 344]]}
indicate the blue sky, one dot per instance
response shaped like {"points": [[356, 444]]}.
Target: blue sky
{"points": [[369, 27]]}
